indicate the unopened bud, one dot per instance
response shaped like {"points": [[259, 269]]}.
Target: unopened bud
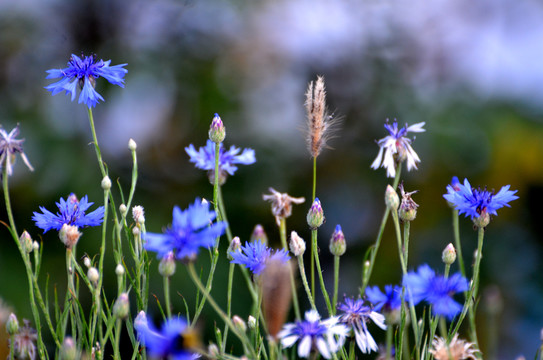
{"points": [[136, 231], [315, 215], [68, 350], [119, 270], [251, 322], [93, 275], [239, 323], [234, 246], [392, 200], [12, 325], [132, 145], [106, 183], [36, 245], [26, 242], [297, 244], [123, 209], [217, 132], [213, 351], [87, 261], [337, 242], [140, 322], [449, 255], [69, 235], [259, 234], [121, 306], [138, 214], [166, 267]]}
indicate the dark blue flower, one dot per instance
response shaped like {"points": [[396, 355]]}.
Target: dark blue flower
{"points": [[190, 230], [388, 301], [356, 315], [255, 255], [174, 340], [84, 72], [435, 289], [476, 202], [9, 146], [326, 336], [71, 212], [204, 158]]}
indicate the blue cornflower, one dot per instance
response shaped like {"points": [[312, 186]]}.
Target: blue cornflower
{"points": [[174, 340], [397, 148], [71, 212], [190, 230], [9, 146], [356, 315], [435, 289], [388, 301], [204, 158], [256, 254], [477, 202], [326, 336], [84, 72]]}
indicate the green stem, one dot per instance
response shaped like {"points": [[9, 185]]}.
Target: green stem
{"points": [[314, 194], [304, 281], [283, 235], [336, 283], [389, 341], [166, 282], [456, 230], [228, 304], [475, 285], [319, 271]]}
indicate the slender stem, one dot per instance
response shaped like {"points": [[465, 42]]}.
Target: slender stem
{"points": [[475, 285], [406, 233], [216, 181], [228, 304], [95, 141], [389, 342], [456, 230], [314, 194], [283, 235], [223, 217], [336, 283], [319, 271], [304, 281], [166, 282]]}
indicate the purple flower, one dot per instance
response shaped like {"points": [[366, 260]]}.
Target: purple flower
{"points": [[71, 212], [256, 254], [84, 72], [174, 340], [190, 230], [476, 202], [326, 336], [356, 315], [397, 148], [388, 301], [204, 158], [9, 146], [436, 290]]}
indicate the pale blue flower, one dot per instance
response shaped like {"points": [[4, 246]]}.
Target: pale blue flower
{"points": [[204, 158], [255, 255], [9, 147]]}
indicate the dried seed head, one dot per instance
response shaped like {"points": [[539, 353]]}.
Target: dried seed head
{"points": [[281, 204], [318, 120], [456, 350]]}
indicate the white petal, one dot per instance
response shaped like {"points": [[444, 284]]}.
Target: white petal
{"points": [[378, 319], [304, 347], [375, 164], [389, 164], [312, 315], [323, 348], [416, 127], [289, 340], [360, 340]]}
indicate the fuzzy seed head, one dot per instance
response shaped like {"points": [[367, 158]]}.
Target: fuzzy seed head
{"points": [[318, 120]]}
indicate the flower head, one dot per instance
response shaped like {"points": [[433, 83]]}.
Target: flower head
{"points": [[9, 146], [437, 290], [388, 301], [281, 204], [326, 336], [84, 72], [319, 122], [397, 148], [477, 202], [356, 315], [256, 254], [457, 349], [71, 212], [23, 344], [204, 158], [190, 230], [175, 340]]}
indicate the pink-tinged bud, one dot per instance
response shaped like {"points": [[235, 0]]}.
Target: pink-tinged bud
{"points": [[166, 267], [483, 220], [12, 325], [121, 308], [69, 235], [337, 242], [259, 234], [26, 242], [217, 132], [297, 244], [449, 255], [138, 215], [392, 200], [68, 350], [239, 323], [234, 246], [315, 215]]}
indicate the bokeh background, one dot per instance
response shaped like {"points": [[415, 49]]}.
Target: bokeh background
{"points": [[471, 70]]}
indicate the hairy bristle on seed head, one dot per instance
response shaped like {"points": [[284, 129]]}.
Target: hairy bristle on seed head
{"points": [[315, 104]]}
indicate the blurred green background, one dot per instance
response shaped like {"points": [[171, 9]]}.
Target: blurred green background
{"points": [[471, 71]]}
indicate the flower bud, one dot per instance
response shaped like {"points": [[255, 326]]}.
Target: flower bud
{"points": [[239, 323], [234, 246], [213, 351], [26, 242], [93, 275], [259, 234], [132, 145], [87, 261], [36, 245], [392, 200], [12, 325], [337, 242], [123, 209], [140, 322], [408, 208], [217, 132], [69, 235], [136, 231], [251, 322], [121, 307], [68, 350], [166, 267], [449, 254], [106, 183], [315, 215], [483, 220], [119, 270], [297, 244], [138, 215]]}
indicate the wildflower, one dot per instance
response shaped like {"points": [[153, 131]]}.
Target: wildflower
{"points": [[23, 344], [315, 215], [326, 336], [204, 159], [388, 301], [9, 146], [356, 315], [71, 212], [435, 289], [397, 148], [478, 203], [337, 242], [281, 204], [190, 230], [255, 255], [85, 72], [318, 120], [408, 207], [456, 350], [175, 340]]}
